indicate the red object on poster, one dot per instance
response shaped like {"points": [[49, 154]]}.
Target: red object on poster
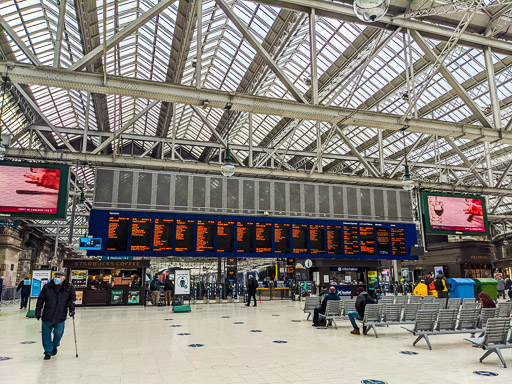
{"points": [[456, 213]]}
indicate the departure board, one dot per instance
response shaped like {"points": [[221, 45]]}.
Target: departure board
{"points": [[317, 238], [300, 238], [263, 237], [383, 241], [225, 236], [205, 236], [398, 241], [334, 239], [350, 240], [244, 237], [184, 235], [162, 236], [282, 238], [141, 234], [367, 240], [118, 233]]}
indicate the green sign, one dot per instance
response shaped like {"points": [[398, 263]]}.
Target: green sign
{"points": [[116, 297], [133, 297]]}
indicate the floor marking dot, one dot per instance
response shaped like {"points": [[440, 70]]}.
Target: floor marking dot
{"points": [[28, 342], [279, 341], [485, 373], [196, 345], [3, 358], [408, 353]]}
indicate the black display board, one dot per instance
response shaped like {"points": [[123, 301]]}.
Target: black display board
{"points": [[367, 240], [350, 240], [334, 239], [225, 236], [118, 233], [398, 241], [263, 237], [317, 238], [205, 236], [282, 238], [300, 238], [163, 235], [383, 243], [184, 235], [244, 237], [141, 234]]}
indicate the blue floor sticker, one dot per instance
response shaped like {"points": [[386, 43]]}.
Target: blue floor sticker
{"points": [[28, 342], [256, 330], [322, 328], [175, 325], [371, 381], [225, 317], [408, 353], [279, 341], [238, 322], [183, 334], [196, 345], [485, 373], [5, 358], [275, 315], [168, 319], [296, 321]]}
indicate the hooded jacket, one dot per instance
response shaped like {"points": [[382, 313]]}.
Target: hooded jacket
{"points": [[56, 299], [252, 285], [362, 299]]}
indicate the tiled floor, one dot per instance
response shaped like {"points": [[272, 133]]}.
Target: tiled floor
{"points": [[141, 345]]}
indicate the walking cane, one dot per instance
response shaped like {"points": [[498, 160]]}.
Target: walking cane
{"points": [[74, 331]]}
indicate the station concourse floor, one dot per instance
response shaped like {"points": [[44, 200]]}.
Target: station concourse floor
{"points": [[153, 345]]}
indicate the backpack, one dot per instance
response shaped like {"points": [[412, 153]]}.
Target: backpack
{"points": [[438, 284], [322, 321], [152, 286]]}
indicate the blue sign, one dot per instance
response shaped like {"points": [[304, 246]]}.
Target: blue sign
{"points": [[9, 223], [89, 244], [117, 258], [346, 269], [344, 290]]}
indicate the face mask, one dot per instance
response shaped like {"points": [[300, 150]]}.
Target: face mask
{"points": [[56, 281]]}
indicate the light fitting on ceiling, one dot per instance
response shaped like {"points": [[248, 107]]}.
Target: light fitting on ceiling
{"points": [[370, 10], [228, 168]]}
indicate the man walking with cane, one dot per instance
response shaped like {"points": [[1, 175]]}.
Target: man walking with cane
{"points": [[55, 300]]}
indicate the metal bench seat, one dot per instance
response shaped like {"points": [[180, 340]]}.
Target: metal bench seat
{"points": [[310, 304], [495, 338]]}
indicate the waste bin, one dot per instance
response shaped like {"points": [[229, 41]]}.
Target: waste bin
{"points": [[487, 285], [461, 288]]}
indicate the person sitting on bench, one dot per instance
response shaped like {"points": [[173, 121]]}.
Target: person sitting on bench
{"points": [[330, 296]]}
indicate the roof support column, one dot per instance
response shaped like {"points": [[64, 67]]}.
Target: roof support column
{"points": [[60, 31], [495, 107], [314, 85], [251, 160], [198, 42]]}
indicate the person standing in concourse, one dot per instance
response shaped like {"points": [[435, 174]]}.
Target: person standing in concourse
{"points": [[252, 285], [55, 300], [24, 285]]}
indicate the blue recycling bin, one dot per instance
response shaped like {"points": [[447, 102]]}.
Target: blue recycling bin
{"points": [[461, 288]]}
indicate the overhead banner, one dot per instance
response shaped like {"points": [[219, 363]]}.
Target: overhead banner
{"points": [[39, 278], [182, 285]]}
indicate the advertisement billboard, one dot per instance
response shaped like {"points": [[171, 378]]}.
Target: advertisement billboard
{"points": [[89, 244], [33, 190], [40, 277], [454, 214]]}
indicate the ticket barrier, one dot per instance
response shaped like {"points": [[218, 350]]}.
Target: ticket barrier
{"points": [[231, 291], [207, 293], [240, 289], [219, 291], [195, 291]]}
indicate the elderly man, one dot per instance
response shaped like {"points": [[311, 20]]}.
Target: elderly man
{"points": [[55, 300], [332, 295]]}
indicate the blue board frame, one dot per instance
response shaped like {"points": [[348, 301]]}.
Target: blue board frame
{"points": [[99, 222]]}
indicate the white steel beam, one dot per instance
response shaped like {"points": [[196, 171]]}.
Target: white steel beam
{"points": [[92, 82], [19, 42], [261, 51], [121, 35], [465, 160], [60, 32]]}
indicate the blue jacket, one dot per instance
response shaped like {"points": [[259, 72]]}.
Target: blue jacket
{"points": [[329, 296]]}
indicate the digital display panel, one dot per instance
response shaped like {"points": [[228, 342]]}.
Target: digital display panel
{"points": [[244, 237], [398, 241], [383, 241], [317, 238], [334, 239], [300, 238], [184, 235], [89, 244], [33, 190], [118, 233], [282, 238], [350, 240], [141, 234], [263, 237], [163, 233], [205, 236], [367, 240], [454, 214], [225, 236]]}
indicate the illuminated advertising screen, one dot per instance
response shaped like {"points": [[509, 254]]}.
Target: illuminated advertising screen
{"points": [[225, 236], [205, 233], [33, 190], [244, 240], [89, 244], [141, 234], [118, 233], [263, 237], [163, 233], [282, 238], [454, 214], [184, 235], [300, 238]]}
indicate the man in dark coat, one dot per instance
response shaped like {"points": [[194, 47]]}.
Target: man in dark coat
{"points": [[24, 285], [168, 290], [55, 300], [332, 295], [252, 285], [363, 298]]}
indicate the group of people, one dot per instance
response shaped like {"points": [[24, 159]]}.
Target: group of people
{"points": [[155, 287], [505, 286]]}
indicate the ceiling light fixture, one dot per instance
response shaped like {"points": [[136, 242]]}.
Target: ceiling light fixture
{"points": [[370, 10], [228, 168]]}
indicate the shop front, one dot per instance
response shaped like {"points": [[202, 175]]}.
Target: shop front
{"points": [[107, 282]]}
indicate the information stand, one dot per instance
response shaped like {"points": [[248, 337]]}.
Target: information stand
{"points": [[182, 288], [40, 277]]}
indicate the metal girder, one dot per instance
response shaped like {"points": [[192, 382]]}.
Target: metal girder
{"points": [[353, 149], [451, 79], [261, 51], [60, 32], [465, 160], [121, 35], [61, 78], [443, 9], [345, 12], [19, 42], [119, 132], [194, 167]]}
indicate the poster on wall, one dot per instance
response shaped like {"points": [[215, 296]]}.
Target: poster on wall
{"points": [[116, 297], [133, 297], [39, 278], [79, 297], [79, 278], [438, 270], [182, 279]]}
